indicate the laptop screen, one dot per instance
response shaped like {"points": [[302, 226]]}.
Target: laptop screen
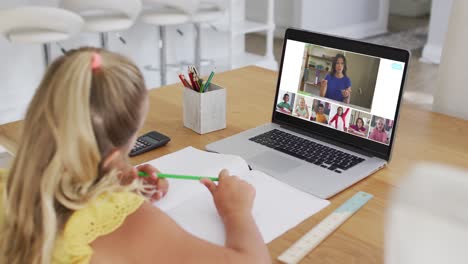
{"points": [[347, 92]]}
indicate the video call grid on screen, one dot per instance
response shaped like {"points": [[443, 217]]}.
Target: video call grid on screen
{"points": [[374, 86]]}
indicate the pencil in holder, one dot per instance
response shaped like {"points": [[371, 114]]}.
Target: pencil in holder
{"points": [[205, 112]]}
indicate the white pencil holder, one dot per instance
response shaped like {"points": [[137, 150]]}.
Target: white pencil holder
{"points": [[205, 112]]}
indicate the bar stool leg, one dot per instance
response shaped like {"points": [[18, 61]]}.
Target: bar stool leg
{"points": [[104, 37], [197, 46], [47, 54], [162, 54]]}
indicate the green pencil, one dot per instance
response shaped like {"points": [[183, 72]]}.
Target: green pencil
{"points": [[180, 177], [207, 83]]}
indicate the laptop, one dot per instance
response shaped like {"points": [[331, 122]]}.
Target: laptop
{"points": [[334, 117]]}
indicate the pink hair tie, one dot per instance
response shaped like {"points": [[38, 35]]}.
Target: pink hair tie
{"points": [[96, 61]]}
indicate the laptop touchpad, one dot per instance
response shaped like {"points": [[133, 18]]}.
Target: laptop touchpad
{"points": [[273, 161]]}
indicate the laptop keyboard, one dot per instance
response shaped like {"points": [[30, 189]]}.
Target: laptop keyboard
{"points": [[307, 150]]}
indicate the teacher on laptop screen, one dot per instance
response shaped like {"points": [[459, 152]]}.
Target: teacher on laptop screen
{"points": [[337, 85]]}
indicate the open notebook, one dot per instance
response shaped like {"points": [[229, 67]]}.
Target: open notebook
{"points": [[277, 207]]}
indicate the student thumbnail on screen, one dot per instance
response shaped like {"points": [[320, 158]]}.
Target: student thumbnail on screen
{"points": [[339, 117], [285, 102], [381, 129], [359, 123], [303, 107], [320, 111]]}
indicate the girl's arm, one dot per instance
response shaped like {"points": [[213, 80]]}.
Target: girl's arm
{"points": [[323, 87], [151, 236], [356, 132], [345, 113], [343, 116], [334, 119]]}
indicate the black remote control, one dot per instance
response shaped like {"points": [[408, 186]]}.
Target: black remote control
{"points": [[149, 141]]}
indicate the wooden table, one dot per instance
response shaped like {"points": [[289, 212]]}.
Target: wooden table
{"points": [[421, 136]]}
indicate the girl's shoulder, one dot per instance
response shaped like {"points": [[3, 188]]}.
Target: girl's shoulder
{"points": [[103, 214], [99, 217], [347, 79]]}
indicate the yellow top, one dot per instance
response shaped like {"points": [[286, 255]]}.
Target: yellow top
{"points": [[102, 216], [321, 118]]}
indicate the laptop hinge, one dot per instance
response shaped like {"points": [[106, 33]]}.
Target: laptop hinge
{"points": [[329, 141]]}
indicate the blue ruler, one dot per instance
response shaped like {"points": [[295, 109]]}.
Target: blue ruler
{"points": [[321, 231]]}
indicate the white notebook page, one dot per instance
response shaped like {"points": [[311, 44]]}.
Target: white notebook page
{"points": [[277, 207]]}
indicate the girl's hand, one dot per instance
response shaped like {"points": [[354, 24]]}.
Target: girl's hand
{"points": [[232, 195], [346, 92], [161, 185], [324, 82]]}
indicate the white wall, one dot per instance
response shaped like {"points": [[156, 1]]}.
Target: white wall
{"points": [[440, 12], [22, 66], [333, 14], [352, 19]]}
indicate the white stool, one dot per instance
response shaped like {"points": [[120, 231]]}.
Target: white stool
{"points": [[206, 12], [163, 13], [104, 16], [43, 25]]}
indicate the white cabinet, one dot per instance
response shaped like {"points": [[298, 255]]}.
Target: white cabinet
{"points": [[237, 25]]}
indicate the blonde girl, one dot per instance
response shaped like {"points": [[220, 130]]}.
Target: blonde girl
{"points": [[71, 196], [302, 109]]}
